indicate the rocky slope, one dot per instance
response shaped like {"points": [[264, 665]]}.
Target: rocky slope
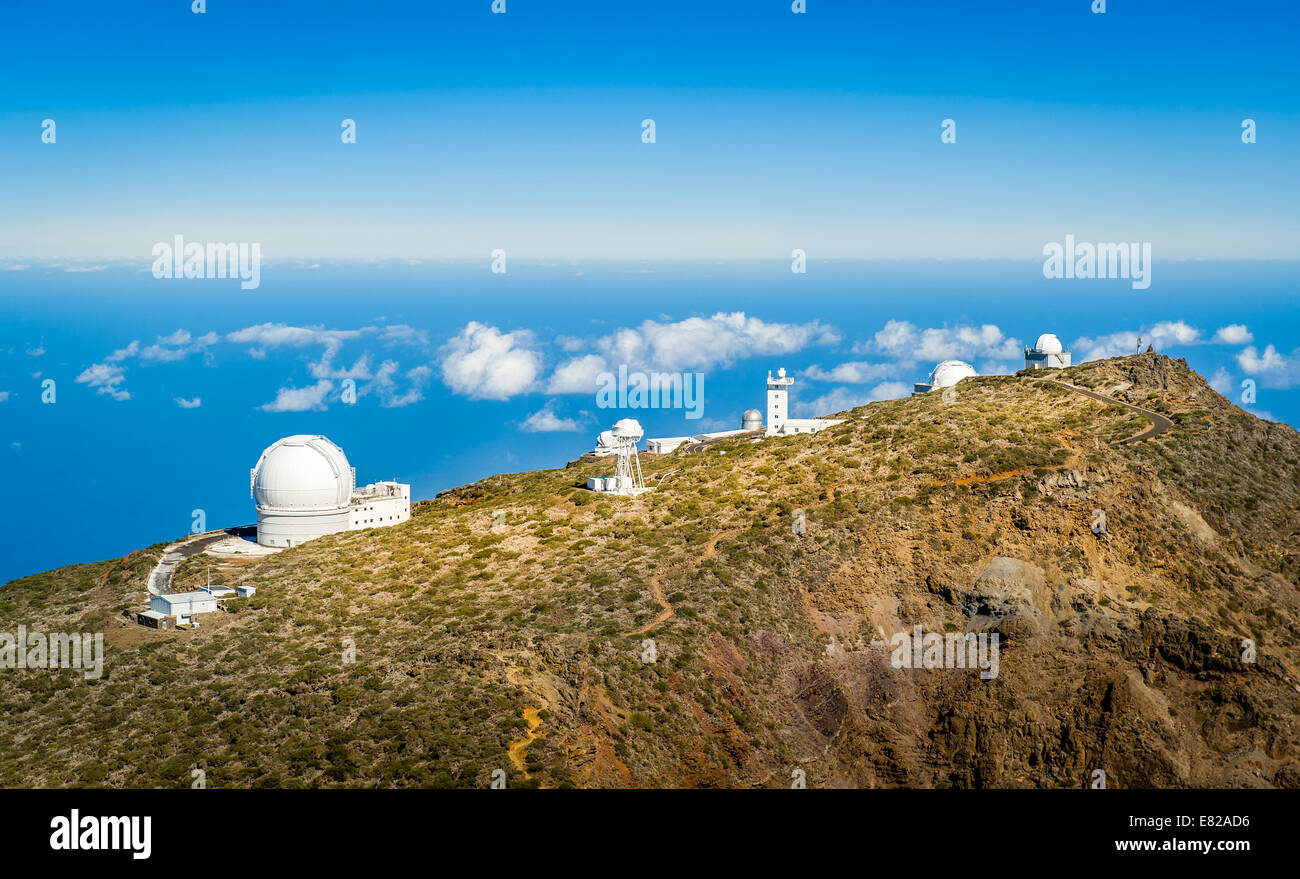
{"points": [[690, 637]]}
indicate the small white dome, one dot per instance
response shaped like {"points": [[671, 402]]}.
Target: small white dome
{"points": [[1048, 344], [303, 473], [950, 372], [751, 420]]}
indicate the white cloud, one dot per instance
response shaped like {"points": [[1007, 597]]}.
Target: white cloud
{"points": [[1175, 331], [189, 404], [546, 421], [1221, 381], [177, 346], [300, 399], [4, 396], [483, 363], [1274, 369], [403, 334], [108, 378], [1234, 334], [123, 353], [990, 367], [324, 367], [577, 376], [694, 344], [905, 342], [854, 372], [1253, 363], [105, 378], [35, 352], [85, 268], [273, 335], [1163, 335], [702, 343], [843, 398], [386, 389]]}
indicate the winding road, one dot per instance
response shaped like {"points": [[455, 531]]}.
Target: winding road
{"points": [[1159, 423], [160, 579]]}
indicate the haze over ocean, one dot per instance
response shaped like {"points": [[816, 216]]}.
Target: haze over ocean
{"points": [[524, 132]]}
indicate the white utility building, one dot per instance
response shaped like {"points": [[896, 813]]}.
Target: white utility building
{"points": [[183, 605], [305, 488], [1047, 353], [945, 375]]}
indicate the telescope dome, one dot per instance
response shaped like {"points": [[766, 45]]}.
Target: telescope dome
{"points": [[302, 473]]}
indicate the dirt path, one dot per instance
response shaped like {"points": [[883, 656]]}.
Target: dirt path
{"points": [[657, 588], [1159, 423], [516, 750], [657, 591]]}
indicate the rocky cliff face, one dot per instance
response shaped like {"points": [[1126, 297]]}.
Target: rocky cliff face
{"points": [[740, 625]]}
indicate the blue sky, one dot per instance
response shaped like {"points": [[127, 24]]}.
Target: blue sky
{"points": [[774, 130], [522, 131]]}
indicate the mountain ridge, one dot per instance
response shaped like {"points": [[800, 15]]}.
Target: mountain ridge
{"points": [[526, 651]]}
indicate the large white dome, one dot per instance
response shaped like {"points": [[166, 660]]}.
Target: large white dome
{"points": [[1048, 344], [303, 473], [950, 372]]}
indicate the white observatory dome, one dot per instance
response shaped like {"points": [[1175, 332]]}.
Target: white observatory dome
{"points": [[303, 473], [1048, 344], [751, 420], [627, 429], [303, 488], [948, 373]]}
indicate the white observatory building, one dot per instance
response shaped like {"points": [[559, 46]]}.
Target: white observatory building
{"points": [[751, 422], [1047, 353], [778, 408], [305, 488], [945, 375]]}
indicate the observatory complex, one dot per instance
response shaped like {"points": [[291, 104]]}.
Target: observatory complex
{"points": [[305, 488], [751, 423], [945, 375], [1047, 353]]}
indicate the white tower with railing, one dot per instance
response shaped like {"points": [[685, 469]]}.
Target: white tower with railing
{"points": [[778, 400]]}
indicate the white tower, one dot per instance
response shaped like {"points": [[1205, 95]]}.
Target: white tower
{"points": [[622, 440], [778, 400], [627, 466]]}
